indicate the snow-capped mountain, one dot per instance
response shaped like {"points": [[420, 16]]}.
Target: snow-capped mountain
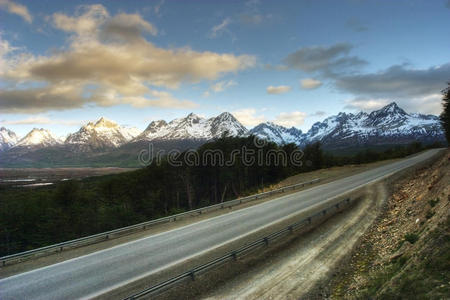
{"points": [[277, 133], [7, 139], [193, 127], [111, 143], [102, 134], [38, 138], [388, 125]]}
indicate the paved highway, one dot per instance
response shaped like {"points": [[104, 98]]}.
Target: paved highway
{"points": [[94, 274]]}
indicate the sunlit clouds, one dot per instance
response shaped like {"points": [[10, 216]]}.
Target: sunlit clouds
{"points": [[310, 84], [110, 62], [275, 90], [17, 9]]}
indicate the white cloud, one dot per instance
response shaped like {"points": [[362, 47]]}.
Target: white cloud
{"points": [[222, 85], [430, 104], [253, 19], [310, 83], [398, 81], [219, 87], [17, 9], [281, 89], [289, 119], [249, 117], [318, 113], [366, 104], [157, 7], [326, 60], [252, 3], [127, 27], [86, 20], [206, 94], [33, 100], [109, 62], [41, 120], [415, 90], [5, 50], [218, 29]]}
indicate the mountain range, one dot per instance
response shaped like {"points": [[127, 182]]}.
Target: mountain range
{"points": [[107, 143], [388, 125]]}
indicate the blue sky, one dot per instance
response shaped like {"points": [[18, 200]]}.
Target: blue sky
{"points": [[64, 63]]}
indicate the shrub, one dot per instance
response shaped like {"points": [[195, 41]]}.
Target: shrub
{"points": [[411, 237], [429, 214], [433, 202]]}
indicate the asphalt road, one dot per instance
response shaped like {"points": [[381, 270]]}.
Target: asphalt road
{"points": [[102, 271]]}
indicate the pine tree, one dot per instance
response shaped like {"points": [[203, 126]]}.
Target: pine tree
{"points": [[445, 115]]}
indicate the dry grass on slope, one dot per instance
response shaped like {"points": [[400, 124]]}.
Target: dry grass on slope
{"points": [[406, 253]]}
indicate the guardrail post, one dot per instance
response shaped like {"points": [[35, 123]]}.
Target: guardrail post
{"points": [[309, 220], [192, 274], [266, 241], [60, 249], [291, 228], [324, 212], [234, 255]]}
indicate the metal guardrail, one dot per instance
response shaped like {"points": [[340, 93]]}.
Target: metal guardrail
{"points": [[233, 255], [108, 234]]}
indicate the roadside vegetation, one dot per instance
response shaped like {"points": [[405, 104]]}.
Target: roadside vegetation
{"points": [[31, 218], [405, 254]]}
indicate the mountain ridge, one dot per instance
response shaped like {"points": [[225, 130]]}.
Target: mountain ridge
{"points": [[389, 125], [99, 135]]}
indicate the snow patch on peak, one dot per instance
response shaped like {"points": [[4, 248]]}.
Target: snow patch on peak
{"points": [[390, 124], [277, 133], [7, 139], [104, 122], [38, 137], [102, 134], [193, 127]]}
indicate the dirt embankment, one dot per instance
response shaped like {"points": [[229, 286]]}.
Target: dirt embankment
{"points": [[405, 254]]}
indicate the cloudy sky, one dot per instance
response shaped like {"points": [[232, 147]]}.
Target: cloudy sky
{"points": [[63, 63]]}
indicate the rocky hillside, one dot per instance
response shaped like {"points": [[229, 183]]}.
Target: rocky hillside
{"points": [[406, 253]]}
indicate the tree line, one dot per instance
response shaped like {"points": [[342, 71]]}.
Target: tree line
{"points": [[71, 209]]}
